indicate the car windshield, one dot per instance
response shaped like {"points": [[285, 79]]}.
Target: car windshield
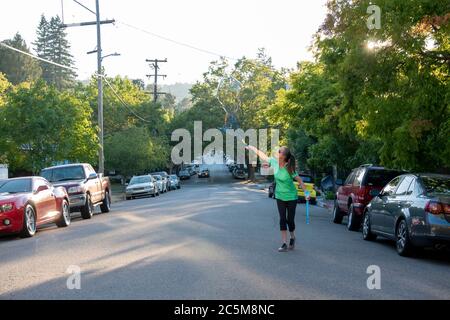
{"points": [[64, 174], [173, 177], [306, 179], [380, 178], [439, 185], [16, 186], [141, 179], [157, 177]]}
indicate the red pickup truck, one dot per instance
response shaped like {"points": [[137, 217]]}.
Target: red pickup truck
{"points": [[85, 187]]}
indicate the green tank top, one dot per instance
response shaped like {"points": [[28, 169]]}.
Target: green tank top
{"points": [[285, 189]]}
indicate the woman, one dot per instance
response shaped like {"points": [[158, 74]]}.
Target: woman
{"points": [[285, 191]]}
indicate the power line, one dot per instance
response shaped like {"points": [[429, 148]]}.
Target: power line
{"points": [[74, 69], [153, 34], [176, 41], [163, 37], [123, 102], [38, 58], [82, 5]]}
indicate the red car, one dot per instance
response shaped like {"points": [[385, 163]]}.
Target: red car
{"points": [[27, 203], [354, 195]]}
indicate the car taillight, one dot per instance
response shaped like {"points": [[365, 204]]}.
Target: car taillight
{"points": [[436, 207]]}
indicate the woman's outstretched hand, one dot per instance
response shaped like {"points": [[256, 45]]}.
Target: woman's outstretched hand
{"points": [[259, 153]]}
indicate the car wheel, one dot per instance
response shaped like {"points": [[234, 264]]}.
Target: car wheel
{"points": [[337, 214], [105, 207], [354, 222], [403, 242], [367, 229], [128, 198], [87, 211], [29, 222], [64, 220]]}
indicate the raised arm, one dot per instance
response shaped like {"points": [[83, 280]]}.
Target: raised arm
{"points": [[259, 153]]}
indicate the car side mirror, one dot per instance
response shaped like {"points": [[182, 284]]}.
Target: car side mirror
{"points": [[41, 188], [92, 176], [375, 193]]}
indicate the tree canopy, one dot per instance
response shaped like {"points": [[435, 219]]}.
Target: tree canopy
{"points": [[18, 68]]}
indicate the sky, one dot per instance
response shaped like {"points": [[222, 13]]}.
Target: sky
{"points": [[232, 28]]}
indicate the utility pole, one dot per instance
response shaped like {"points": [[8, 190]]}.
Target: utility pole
{"points": [[101, 153], [154, 65], [97, 23]]}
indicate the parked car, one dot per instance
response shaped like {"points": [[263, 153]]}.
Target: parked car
{"points": [[413, 210], [165, 180], [204, 173], [240, 172], [141, 186], [28, 203], [309, 184], [184, 175], [160, 183], [85, 187], [356, 192], [327, 184], [174, 182]]}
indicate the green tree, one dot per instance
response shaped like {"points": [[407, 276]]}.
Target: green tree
{"points": [[238, 98], [16, 66], [52, 44], [130, 115], [41, 125], [374, 96], [133, 151], [4, 86], [394, 80]]}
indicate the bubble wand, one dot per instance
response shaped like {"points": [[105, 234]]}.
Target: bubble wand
{"points": [[307, 194]]}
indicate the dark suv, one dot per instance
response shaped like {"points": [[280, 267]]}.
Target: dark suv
{"points": [[354, 195]]}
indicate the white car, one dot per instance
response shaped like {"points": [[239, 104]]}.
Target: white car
{"points": [[161, 183], [141, 186]]}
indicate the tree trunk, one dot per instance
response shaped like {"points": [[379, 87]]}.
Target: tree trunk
{"points": [[251, 172]]}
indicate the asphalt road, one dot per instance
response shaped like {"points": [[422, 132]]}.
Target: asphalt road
{"points": [[213, 239]]}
